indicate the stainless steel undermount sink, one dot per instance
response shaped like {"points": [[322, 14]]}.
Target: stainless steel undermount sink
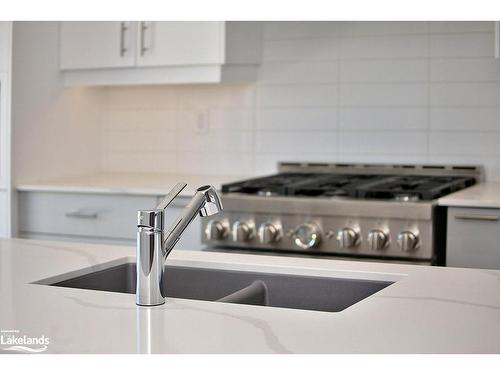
{"points": [[231, 286]]}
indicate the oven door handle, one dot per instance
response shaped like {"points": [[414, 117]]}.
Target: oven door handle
{"points": [[477, 217]]}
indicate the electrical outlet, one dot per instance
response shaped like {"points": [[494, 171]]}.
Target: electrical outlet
{"points": [[202, 122]]}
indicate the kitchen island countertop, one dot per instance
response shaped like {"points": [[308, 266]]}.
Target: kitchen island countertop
{"points": [[483, 195], [426, 310]]}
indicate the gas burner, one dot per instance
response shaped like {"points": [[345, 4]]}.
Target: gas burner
{"points": [[274, 185], [267, 193], [406, 197], [413, 187]]}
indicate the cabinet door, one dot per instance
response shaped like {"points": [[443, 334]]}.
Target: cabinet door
{"points": [[172, 43], [98, 216], [91, 45], [473, 238]]}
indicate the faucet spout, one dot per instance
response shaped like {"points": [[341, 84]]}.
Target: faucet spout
{"points": [[205, 202], [154, 243]]}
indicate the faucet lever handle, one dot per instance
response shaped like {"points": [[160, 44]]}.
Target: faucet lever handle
{"points": [[171, 195]]}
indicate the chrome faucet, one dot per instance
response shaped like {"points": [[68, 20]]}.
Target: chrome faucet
{"points": [[154, 243]]}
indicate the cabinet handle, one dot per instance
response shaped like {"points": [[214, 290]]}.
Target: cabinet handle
{"points": [[82, 214], [477, 217], [144, 28], [123, 30]]}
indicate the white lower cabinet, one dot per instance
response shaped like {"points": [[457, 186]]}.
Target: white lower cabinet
{"points": [[473, 238], [93, 218]]}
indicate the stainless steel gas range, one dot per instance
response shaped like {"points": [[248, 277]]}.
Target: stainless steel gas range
{"points": [[386, 212]]}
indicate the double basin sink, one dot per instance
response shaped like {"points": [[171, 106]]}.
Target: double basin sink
{"points": [[293, 291]]}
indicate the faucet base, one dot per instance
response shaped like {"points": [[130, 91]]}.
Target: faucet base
{"points": [[149, 266]]}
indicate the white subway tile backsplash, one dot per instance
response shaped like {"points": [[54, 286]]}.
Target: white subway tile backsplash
{"points": [[460, 27], [400, 119], [464, 143], [143, 98], [301, 29], [383, 71], [149, 141], [384, 47], [463, 70], [141, 121], [304, 72], [380, 92], [464, 94], [350, 28], [311, 49], [383, 142], [472, 119], [303, 142], [131, 130], [139, 162], [393, 95], [215, 163], [215, 141], [231, 119], [290, 119], [462, 45], [297, 95], [206, 120], [216, 96]]}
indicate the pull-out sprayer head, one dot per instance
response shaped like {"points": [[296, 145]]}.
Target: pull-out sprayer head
{"points": [[213, 204]]}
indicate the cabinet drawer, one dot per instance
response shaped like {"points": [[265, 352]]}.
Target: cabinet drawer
{"points": [[473, 238], [92, 215]]}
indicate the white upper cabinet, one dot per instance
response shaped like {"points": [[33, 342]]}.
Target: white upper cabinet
{"points": [[91, 45], [180, 43], [124, 53]]}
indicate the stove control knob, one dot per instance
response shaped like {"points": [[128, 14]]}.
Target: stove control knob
{"points": [[408, 241], [216, 230], [269, 233], [348, 237], [242, 231], [307, 236], [378, 239]]}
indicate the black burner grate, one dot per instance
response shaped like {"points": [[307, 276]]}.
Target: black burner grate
{"points": [[364, 186], [413, 187]]}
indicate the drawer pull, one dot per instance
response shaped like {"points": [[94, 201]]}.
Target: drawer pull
{"points": [[82, 214], [477, 217]]}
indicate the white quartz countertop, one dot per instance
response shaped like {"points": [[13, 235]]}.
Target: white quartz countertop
{"points": [[486, 195], [426, 310], [127, 183]]}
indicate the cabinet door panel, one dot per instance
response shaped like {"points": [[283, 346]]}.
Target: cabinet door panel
{"points": [[473, 238], [104, 216], [180, 43], [90, 45]]}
